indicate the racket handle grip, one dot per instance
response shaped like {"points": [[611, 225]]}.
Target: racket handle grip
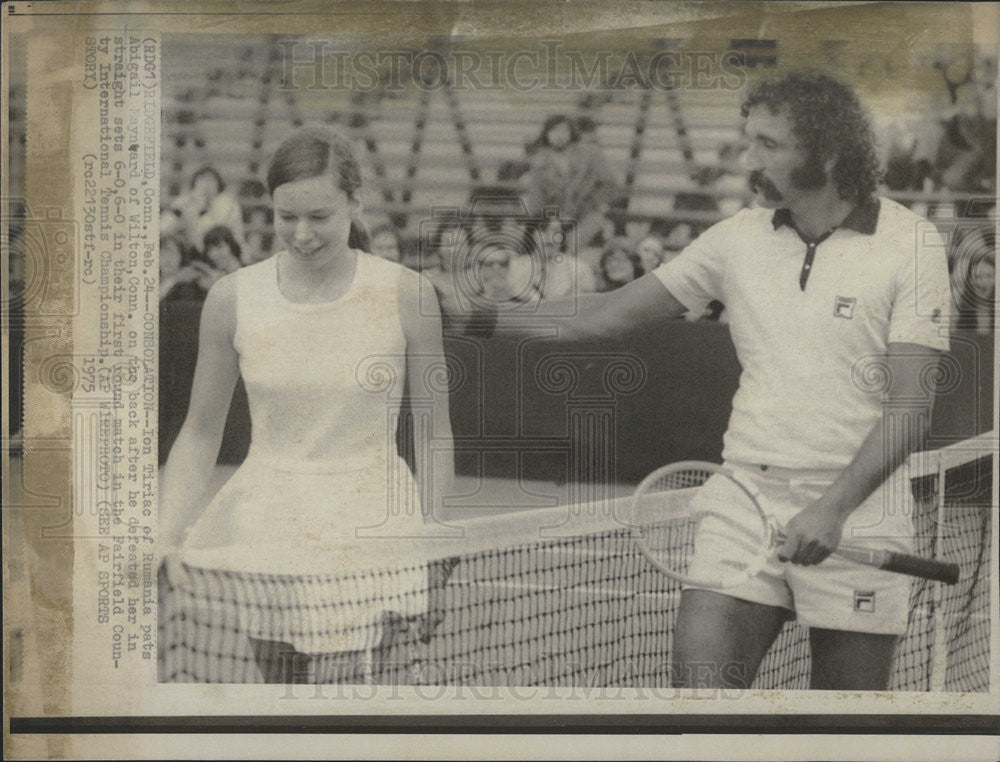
{"points": [[921, 567], [902, 563]]}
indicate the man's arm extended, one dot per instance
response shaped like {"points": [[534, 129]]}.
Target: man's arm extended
{"points": [[592, 317], [906, 413]]}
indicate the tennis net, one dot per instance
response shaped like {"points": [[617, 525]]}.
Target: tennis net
{"points": [[553, 597]]}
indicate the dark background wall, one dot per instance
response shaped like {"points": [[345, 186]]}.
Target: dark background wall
{"points": [[557, 411]]}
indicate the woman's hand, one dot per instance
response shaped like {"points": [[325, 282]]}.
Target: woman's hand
{"points": [[176, 571]]}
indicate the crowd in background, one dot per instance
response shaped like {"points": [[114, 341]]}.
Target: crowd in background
{"points": [[545, 231], [201, 238], [548, 227]]}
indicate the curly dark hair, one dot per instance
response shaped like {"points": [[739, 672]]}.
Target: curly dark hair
{"points": [[829, 121]]}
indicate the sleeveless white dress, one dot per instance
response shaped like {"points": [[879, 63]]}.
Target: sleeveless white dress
{"points": [[323, 492]]}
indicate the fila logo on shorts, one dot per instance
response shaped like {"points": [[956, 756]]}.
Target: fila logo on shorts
{"points": [[864, 601], [843, 307]]}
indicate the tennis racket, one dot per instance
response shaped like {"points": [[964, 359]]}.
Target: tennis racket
{"points": [[736, 535]]}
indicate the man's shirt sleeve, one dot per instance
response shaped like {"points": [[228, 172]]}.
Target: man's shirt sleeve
{"points": [[922, 303], [695, 276]]}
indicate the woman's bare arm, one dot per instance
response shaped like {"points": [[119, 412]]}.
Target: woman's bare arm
{"points": [[193, 455]]}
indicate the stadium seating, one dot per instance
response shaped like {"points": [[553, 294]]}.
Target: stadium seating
{"points": [[215, 117]]}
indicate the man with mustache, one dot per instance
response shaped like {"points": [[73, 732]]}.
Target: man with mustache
{"points": [[838, 305]]}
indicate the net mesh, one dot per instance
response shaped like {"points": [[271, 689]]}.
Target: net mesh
{"points": [[662, 520], [576, 604], [959, 615]]}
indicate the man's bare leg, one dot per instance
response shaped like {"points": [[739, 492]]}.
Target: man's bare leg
{"points": [[843, 660], [720, 641]]}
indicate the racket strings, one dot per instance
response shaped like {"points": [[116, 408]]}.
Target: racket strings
{"points": [[677, 518], [664, 520]]}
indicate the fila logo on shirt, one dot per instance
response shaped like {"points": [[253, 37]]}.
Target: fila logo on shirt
{"points": [[843, 307], [864, 601]]}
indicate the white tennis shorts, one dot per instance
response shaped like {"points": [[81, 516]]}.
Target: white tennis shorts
{"points": [[836, 594]]}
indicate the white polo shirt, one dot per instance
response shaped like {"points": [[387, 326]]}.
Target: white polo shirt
{"points": [[813, 357]]}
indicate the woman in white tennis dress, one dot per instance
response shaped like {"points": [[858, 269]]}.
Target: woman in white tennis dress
{"points": [[323, 336]]}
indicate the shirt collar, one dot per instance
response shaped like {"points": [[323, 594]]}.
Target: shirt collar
{"points": [[863, 218]]}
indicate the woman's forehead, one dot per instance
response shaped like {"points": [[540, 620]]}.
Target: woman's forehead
{"points": [[311, 192]]}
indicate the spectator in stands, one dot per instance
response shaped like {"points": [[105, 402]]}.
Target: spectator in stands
{"points": [[967, 154], [257, 246], [906, 169], [490, 272], [443, 254], [957, 154], [525, 270], [385, 243], [524, 275], [586, 128], [442, 249], [973, 281], [179, 271], [258, 217], [650, 249], [253, 190], [590, 254], [723, 186], [186, 274], [571, 175], [511, 171], [619, 265], [179, 276], [222, 252], [677, 240], [208, 204], [171, 228], [562, 272]]}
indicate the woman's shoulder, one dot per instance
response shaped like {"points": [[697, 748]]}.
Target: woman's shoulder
{"points": [[220, 303], [264, 265], [388, 272], [414, 292], [225, 286], [257, 275], [253, 286]]}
